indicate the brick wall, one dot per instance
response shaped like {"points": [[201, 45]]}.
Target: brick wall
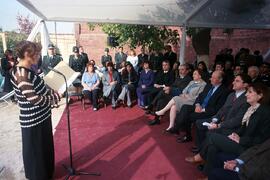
{"points": [[95, 41]]}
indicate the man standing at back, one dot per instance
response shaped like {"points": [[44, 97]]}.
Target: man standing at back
{"points": [[119, 57], [50, 60]]}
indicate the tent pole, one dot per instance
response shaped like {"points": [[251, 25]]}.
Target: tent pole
{"points": [[55, 34], [34, 31], [183, 45], [45, 38]]}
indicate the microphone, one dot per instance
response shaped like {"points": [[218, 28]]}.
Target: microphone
{"points": [[56, 71]]}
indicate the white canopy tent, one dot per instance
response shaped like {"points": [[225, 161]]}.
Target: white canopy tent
{"points": [[191, 13], [248, 14]]}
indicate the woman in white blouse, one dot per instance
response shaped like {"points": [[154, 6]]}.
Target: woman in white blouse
{"points": [[133, 59]]}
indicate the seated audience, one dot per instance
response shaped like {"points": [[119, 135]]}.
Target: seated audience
{"points": [[188, 96], [228, 119], [129, 79], [145, 84], [90, 83], [206, 105], [111, 84], [255, 130]]}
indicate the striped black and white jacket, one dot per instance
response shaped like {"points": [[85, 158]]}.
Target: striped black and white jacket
{"points": [[34, 98]]}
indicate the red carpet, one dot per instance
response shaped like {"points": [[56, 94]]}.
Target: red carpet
{"points": [[119, 144]]}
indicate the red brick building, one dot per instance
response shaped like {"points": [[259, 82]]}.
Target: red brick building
{"points": [[95, 41]]}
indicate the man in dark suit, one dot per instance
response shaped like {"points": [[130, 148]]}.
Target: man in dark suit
{"points": [[170, 55], [228, 119], [251, 164], [206, 105], [105, 59], [167, 93], [50, 60], [141, 58], [163, 79], [84, 55], [119, 57]]}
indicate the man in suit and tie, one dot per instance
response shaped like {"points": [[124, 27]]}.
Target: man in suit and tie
{"points": [[206, 105], [251, 164], [50, 60], [228, 119], [119, 57]]}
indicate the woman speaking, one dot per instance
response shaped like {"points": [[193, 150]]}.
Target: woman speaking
{"points": [[35, 102]]}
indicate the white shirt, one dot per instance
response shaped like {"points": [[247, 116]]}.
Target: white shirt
{"points": [[133, 60], [239, 93]]}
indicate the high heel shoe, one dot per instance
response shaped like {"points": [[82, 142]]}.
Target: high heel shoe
{"points": [[158, 113]]}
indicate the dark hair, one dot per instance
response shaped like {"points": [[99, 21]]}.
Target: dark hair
{"points": [[204, 66], [245, 78], [90, 64], [27, 46], [201, 73], [146, 62], [166, 61], [8, 51], [261, 88], [92, 61], [109, 64]]}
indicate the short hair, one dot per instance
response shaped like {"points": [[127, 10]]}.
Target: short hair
{"points": [[201, 73], [27, 46], [261, 88], [245, 78], [220, 75], [90, 64], [186, 66], [166, 61], [109, 64], [8, 51], [255, 68]]}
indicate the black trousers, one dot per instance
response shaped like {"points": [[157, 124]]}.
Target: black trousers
{"points": [[214, 144], [187, 116], [38, 151], [160, 100], [222, 174], [201, 131], [93, 96]]}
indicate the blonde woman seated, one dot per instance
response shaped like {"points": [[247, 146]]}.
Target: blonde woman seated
{"points": [[188, 96]]}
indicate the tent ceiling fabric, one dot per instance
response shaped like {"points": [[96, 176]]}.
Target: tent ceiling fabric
{"points": [[214, 13]]}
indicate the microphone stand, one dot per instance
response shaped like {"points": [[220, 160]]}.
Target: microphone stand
{"points": [[70, 169]]}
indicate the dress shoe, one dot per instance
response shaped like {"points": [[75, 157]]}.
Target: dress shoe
{"points": [[195, 150], [154, 122], [147, 112], [171, 131], [184, 139], [191, 159], [200, 167]]}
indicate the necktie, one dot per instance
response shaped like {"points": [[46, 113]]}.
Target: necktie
{"points": [[206, 99]]}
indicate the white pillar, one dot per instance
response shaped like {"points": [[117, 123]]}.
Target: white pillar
{"points": [[45, 38], [4, 41], [183, 45]]}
